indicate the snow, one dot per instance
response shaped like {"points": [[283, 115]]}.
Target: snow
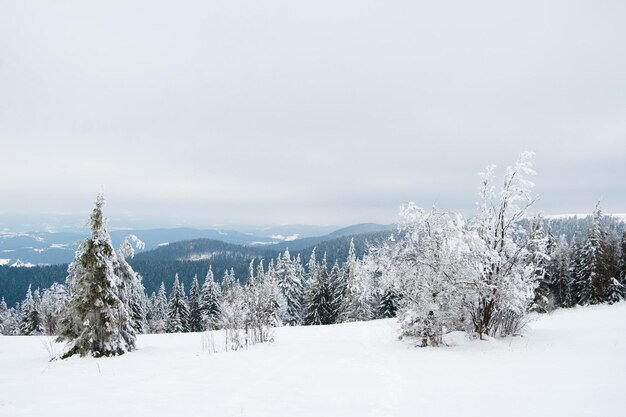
{"points": [[20, 264], [621, 216], [284, 238], [4, 261], [569, 363]]}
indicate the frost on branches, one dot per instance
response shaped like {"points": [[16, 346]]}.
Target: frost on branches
{"points": [[96, 320], [452, 274]]}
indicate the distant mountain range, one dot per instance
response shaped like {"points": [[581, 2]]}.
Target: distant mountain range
{"points": [[193, 257], [49, 248]]}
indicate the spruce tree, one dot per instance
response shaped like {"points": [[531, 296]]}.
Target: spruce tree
{"points": [[318, 308], [195, 311], [130, 289], [622, 261], [561, 274], [30, 318], [158, 311], [538, 245], [290, 284], [389, 303], [5, 315], [591, 285], [93, 312], [336, 284], [177, 309], [210, 302]]}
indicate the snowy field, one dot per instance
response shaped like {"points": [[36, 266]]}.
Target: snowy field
{"points": [[570, 363]]}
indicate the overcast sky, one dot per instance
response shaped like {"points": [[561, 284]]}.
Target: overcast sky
{"points": [[318, 112]]}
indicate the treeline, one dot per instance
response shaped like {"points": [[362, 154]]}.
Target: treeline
{"points": [[285, 292], [588, 268], [163, 263]]}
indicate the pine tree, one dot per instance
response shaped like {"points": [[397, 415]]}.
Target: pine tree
{"points": [[177, 309], [210, 302], [93, 311], [195, 310]]}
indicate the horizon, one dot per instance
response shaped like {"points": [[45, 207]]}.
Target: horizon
{"points": [[236, 113]]}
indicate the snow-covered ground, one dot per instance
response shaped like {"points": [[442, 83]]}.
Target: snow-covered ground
{"points": [[570, 363]]}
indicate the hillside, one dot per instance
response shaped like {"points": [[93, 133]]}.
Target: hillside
{"points": [[570, 363], [187, 258]]}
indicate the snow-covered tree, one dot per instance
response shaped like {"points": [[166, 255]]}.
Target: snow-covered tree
{"points": [[232, 312], [210, 301], [52, 308], [93, 312], [5, 315], [130, 291], [450, 274], [358, 300], [157, 319], [505, 281], [538, 248], [275, 305], [30, 318], [195, 309], [343, 297], [228, 280], [290, 284], [591, 282], [9, 319], [177, 309], [319, 296], [561, 274], [429, 265]]}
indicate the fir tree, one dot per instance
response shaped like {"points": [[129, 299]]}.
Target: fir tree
{"points": [[177, 309], [93, 312]]}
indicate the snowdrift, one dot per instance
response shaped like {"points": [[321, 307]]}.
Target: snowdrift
{"points": [[569, 363]]}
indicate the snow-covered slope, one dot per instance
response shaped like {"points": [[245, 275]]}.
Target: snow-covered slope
{"points": [[570, 363]]}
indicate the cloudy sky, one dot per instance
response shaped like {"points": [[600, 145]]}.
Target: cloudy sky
{"points": [[318, 112]]}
